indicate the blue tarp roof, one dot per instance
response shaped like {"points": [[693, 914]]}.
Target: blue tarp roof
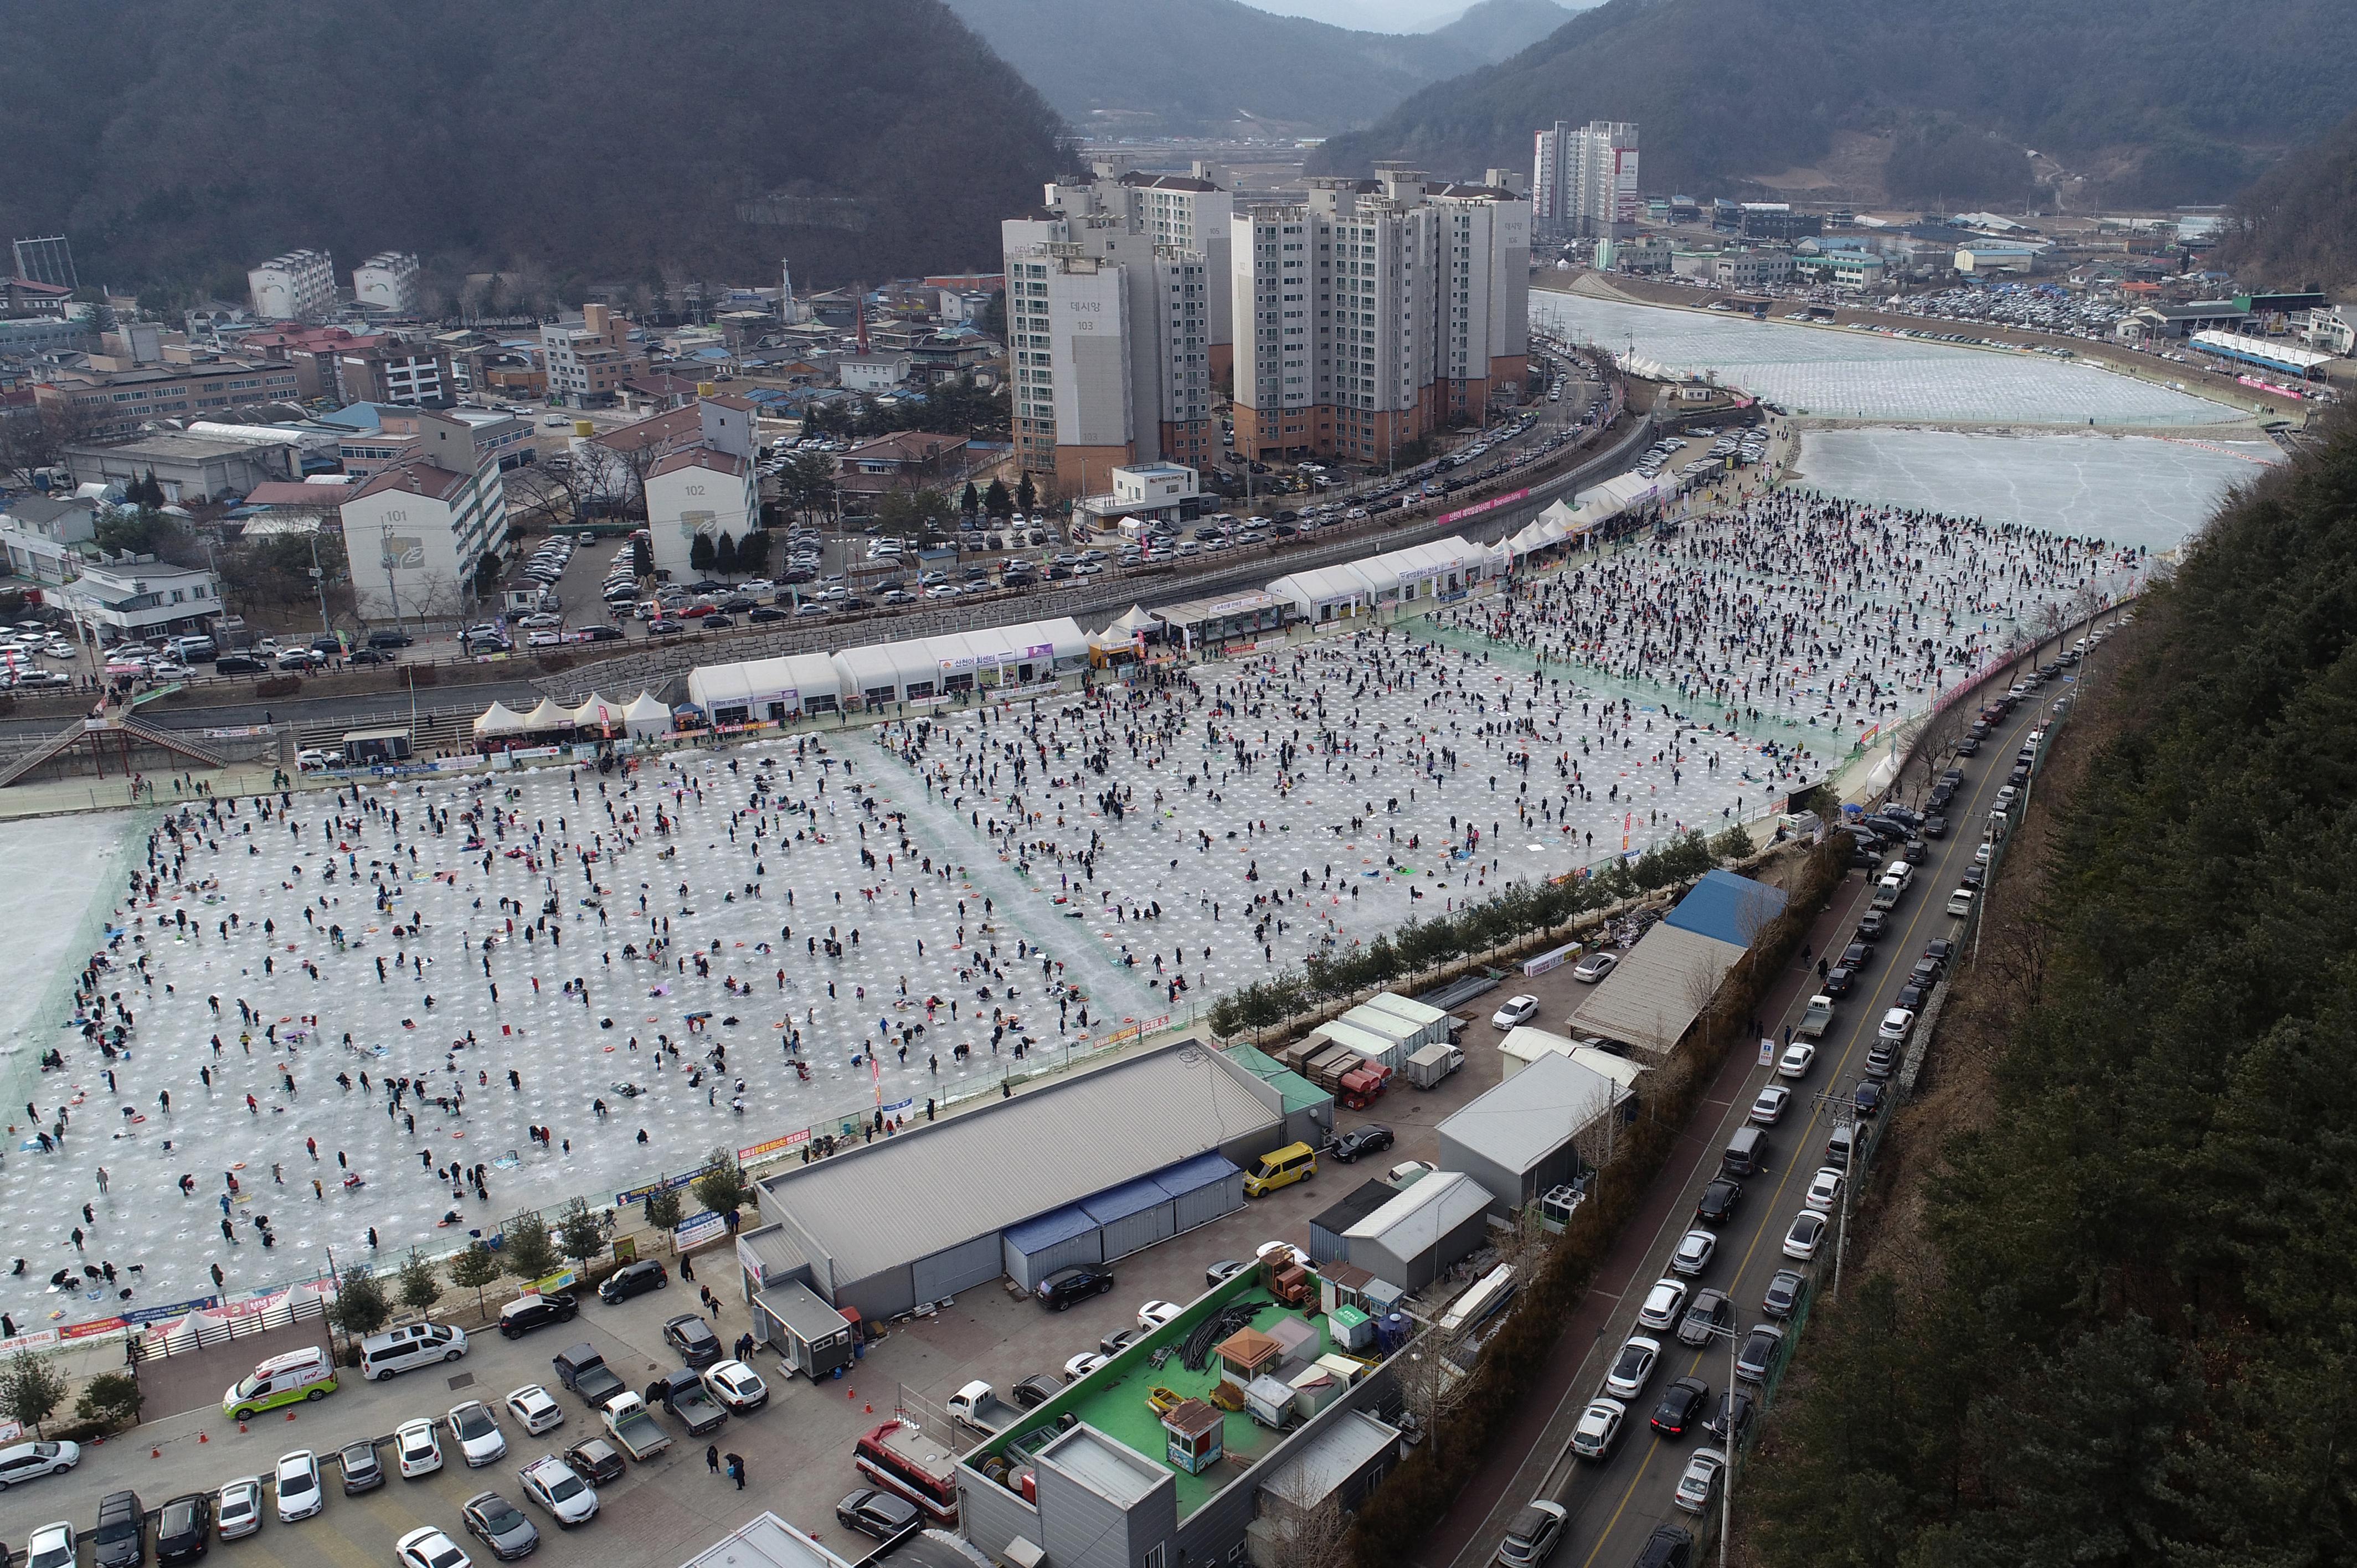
{"points": [[1727, 908], [1193, 1176], [1121, 1202], [1059, 1225]]}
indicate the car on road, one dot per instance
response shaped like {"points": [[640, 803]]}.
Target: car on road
{"points": [[476, 1433], [1768, 1104], [1517, 1010], [885, 1516], [1532, 1535], [1839, 978], [1065, 1287], [296, 1483], [362, 1471], [1867, 1098], [237, 1508], [1664, 1304], [501, 1525], [1785, 1293], [1730, 1417], [1711, 1309], [1760, 1348], [1796, 1059], [633, 1279], [1367, 1140], [1872, 925], [535, 1409], [1718, 1202], [25, 1461], [1594, 967], [428, 1547], [1824, 1190], [1694, 1254], [1597, 1433], [1807, 1231], [1935, 826], [1633, 1369], [558, 1487], [1699, 1484], [184, 1528], [693, 1337], [736, 1385], [1682, 1404], [416, 1450]]}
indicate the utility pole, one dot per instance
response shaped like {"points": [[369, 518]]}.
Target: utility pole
{"points": [[1845, 1114], [1727, 1443]]}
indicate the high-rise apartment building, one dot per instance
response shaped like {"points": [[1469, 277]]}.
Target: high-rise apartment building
{"points": [[387, 281], [298, 286], [1118, 331], [1376, 311], [1584, 180]]}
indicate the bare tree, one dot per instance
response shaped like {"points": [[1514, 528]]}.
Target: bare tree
{"points": [[1314, 1530]]}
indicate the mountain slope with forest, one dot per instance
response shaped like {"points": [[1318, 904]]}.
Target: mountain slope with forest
{"points": [[178, 143], [1191, 67], [2296, 227], [1497, 29], [2143, 102]]}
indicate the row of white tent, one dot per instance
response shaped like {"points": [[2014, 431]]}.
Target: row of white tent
{"points": [[641, 720], [1441, 569], [1598, 505], [876, 675]]}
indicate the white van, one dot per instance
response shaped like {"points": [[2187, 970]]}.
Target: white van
{"points": [[306, 1374], [388, 1355]]}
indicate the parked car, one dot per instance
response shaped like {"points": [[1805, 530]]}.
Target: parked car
{"points": [[521, 1316], [693, 1337], [1532, 1535], [298, 1485], [27, 1461], [1517, 1010], [428, 1547], [361, 1470], [633, 1279], [184, 1528], [1594, 967], [1065, 1287], [501, 1525], [558, 1486], [1367, 1140], [885, 1516]]}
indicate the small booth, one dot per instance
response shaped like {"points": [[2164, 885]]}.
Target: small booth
{"points": [[498, 727], [810, 1335], [1193, 1437], [646, 719]]}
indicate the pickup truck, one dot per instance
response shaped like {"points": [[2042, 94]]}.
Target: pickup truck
{"points": [[978, 1406], [633, 1427], [1886, 892], [585, 1372], [1816, 1020], [684, 1394]]}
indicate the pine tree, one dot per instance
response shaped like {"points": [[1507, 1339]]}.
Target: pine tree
{"points": [[996, 500], [723, 555], [700, 554], [970, 502], [1026, 495]]}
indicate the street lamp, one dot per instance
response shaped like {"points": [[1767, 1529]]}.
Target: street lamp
{"points": [[1845, 1114], [1728, 1439]]}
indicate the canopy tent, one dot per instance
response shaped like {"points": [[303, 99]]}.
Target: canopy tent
{"points": [[547, 718], [596, 713], [497, 720], [646, 718], [1135, 621], [1326, 592], [766, 689], [925, 667]]}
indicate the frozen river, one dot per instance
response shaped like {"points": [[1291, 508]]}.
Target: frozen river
{"points": [[2134, 489], [1861, 375]]}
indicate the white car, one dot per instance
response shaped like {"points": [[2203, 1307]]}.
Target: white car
{"points": [[1599, 1429], [1594, 967], [736, 1385], [477, 1432], [1824, 1190], [1155, 1313], [24, 1461], [1261, 1254], [429, 1548], [1633, 1369], [1769, 1104], [1517, 1011], [1797, 1058], [552, 1483], [52, 1546], [1808, 1230], [1082, 1365], [1694, 1254], [532, 1405], [417, 1449], [1895, 1024], [1663, 1304], [1699, 1484], [298, 1485], [238, 1508]]}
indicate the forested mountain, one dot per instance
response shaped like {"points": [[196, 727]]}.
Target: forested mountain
{"points": [[177, 141], [1494, 30], [2141, 102], [2104, 1317], [1187, 67], [2297, 225]]}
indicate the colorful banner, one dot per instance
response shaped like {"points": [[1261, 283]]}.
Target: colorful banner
{"points": [[752, 1151], [695, 1232], [144, 1314], [641, 1194], [98, 1326], [1477, 508]]}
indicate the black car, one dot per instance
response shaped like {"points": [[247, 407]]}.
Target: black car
{"points": [[1971, 877], [1667, 1546], [1854, 956], [1935, 826], [1036, 1390], [239, 664], [521, 1316], [633, 1279], [1902, 816], [1914, 851], [1784, 1293], [1065, 1287], [120, 1537], [738, 604], [1839, 978], [693, 1337], [1359, 1141], [1969, 746], [599, 634], [1681, 1406], [370, 656], [1938, 798], [501, 1525], [390, 640], [595, 1461], [184, 1529], [715, 623], [1940, 947], [1926, 971], [1867, 1098], [1719, 1425], [1718, 1200], [766, 613], [2018, 777], [1911, 996], [880, 1514], [364, 1472]]}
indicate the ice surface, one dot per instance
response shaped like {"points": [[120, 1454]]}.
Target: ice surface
{"points": [[1861, 375], [2137, 490], [928, 883]]}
